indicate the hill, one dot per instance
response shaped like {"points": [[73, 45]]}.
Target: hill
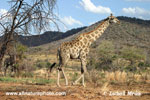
{"points": [[131, 32], [46, 37]]}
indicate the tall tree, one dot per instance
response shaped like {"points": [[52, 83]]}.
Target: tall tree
{"points": [[25, 17]]}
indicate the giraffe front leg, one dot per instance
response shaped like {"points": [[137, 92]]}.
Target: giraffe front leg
{"points": [[83, 71], [83, 83], [76, 82], [83, 74]]}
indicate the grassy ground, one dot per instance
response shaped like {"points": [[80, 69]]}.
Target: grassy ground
{"points": [[33, 81], [99, 84]]}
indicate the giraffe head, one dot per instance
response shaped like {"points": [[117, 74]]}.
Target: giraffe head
{"points": [[113, 19]]}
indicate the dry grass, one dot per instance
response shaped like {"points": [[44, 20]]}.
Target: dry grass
{"points": [[52, 58], [116, 76], [98, 78], [124, 77]]}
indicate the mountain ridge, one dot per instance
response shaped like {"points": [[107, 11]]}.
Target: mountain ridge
{"points": [[131, 31]]}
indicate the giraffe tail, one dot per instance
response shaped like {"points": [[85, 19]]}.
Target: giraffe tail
{"points": [[58, 58], [52, 66]]}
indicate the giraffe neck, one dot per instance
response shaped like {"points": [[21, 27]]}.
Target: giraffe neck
{"points": [[90, 37], [99, 30]]}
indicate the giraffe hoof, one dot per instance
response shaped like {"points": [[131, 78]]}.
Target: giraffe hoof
{"points": [[84, 85], [74, 83], [67, 84]]}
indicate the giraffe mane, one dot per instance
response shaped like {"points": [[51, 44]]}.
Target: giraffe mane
{"points": [[101, 23]]}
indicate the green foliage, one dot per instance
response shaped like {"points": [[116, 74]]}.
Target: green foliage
{"points": [[7, 79], [27, 74], [27, 80], [21, 48], [105, 54], [42, 64], [130, 68], [106, 50], [48, 65], [107, 57], [132, 54], [74, 77]]}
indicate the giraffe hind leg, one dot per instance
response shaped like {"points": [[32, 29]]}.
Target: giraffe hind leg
{"points": [[58, 77], [66, 80]]}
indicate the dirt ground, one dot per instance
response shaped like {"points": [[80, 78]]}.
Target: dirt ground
{"points": [[75, 92]]}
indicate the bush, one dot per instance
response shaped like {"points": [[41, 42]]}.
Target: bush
{"points": [[48, 65], [27, 74], [106, 57], [133, 54], [130, 68], [40, 64], [103, 57], [43, 64]]}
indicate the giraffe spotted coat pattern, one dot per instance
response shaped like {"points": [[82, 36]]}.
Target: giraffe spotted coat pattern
{"points": [[79, 48]]}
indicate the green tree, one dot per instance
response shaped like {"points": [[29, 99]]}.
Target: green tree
{"points": [[133, 54], [104, 56]]}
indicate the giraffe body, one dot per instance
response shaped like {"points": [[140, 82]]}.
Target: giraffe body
{"points": [[79, 48]]}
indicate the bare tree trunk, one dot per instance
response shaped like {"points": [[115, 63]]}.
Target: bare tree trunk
{"points": [[8, 37], [24, 16], [3, 49]]}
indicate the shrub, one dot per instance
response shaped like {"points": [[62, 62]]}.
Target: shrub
{"points": [[48, 64], [103, 57], [75, 76], [133, 54], [27, 74], [40, 64]]}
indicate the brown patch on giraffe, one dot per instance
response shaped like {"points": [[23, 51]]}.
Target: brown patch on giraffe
{"points": [[88, 36], [96, 36], [81, 44], [92, 35], [96, 32], [86, 49], [91, 40], [77, 43], [85, 40]]}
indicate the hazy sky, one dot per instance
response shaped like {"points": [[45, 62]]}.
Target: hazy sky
{"points": [[77, 13]]}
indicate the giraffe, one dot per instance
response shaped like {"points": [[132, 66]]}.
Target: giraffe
{"points": [[79, 48]]}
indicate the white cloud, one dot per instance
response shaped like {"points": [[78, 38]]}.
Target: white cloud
{"points": [[4, 16], [3, 11], [70, 21], [137, 12], [89, 6], [139, 0]]}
